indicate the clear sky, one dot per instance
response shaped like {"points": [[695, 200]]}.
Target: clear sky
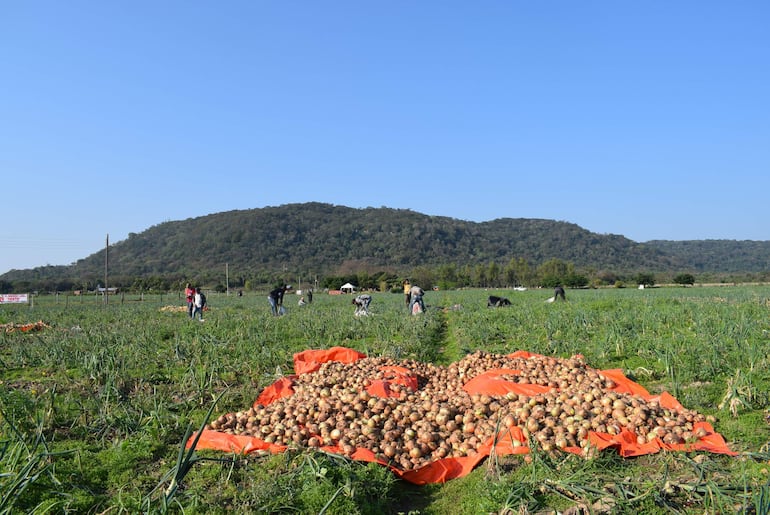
{"points": [[646, 119]]}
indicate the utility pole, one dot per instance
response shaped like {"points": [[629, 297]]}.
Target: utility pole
{"points": [[106, 264]]}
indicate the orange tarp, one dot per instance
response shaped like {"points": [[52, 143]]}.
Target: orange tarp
{"points": [[627, 446], [394, 375], [492, 382], [279, 389], [311, 360], [24, 328]]}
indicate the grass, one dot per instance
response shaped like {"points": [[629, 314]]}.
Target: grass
{"points": [[96, 408]]}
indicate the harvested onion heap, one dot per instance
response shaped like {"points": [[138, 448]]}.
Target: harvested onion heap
{"points": [[331, 407]]}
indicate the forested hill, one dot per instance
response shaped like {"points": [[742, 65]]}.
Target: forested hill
{"points": [[317, 238], [728, 256]]}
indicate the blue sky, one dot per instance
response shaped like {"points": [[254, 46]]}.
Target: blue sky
{"points": [[646, 119]]}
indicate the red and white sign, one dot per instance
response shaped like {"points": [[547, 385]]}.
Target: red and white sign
{"points": [[14, 298]]}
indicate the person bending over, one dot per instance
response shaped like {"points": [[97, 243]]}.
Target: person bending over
{"points": [[362, 304], [275, 298], [416, 304]]}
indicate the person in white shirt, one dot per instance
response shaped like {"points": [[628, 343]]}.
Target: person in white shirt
{"points": [[199, 302], [362, 304], [416, 294]]}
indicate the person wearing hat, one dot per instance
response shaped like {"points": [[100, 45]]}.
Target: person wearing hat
{"points": [[275, 298]]}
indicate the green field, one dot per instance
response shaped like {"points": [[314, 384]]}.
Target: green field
{"points": [[95, 407]]}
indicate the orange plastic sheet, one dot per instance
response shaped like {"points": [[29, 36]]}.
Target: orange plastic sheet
{"points": [[393, 375], [309, 361], [24, 328], [493, 382], [279, 389], [626, 444]]}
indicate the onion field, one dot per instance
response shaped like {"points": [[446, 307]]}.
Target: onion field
{"points": [[100, 401]]}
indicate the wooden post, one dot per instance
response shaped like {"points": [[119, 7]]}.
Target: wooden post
{"points": [[106, 262]]}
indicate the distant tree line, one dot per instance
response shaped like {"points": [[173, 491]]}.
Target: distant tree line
{"points": [[517, 272]]}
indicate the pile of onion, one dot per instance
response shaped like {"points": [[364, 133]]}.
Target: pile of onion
{"points": [[409, 429]]}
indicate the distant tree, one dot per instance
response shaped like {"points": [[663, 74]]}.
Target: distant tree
{"points": [[24, 286], [493, 274], [607, 276], [465, 276], [152, 283], [446, 276], [518, 272], [684, 279], [551, 281], [365, 281], [645, 279], [576, 281], [555, 272], [424, 277], [386, 280], [333, 282], [480, 276], [555, 267]]}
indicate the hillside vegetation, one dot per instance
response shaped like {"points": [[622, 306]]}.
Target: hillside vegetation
{"points": [[718, 255], [316, 239]]}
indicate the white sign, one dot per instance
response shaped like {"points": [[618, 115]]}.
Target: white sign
{"points": [[14, 298]]}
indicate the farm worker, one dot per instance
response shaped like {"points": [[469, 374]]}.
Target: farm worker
{"points": [[189, 292], [558, 292], [275, 298], [199, 302], [407, 294], [301, 301], [362, 304], [416, 304]]}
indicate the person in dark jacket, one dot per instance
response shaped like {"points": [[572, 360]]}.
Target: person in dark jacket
{"points": [[199, 302], [558, 293], [495, 301], [275, 298]]}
